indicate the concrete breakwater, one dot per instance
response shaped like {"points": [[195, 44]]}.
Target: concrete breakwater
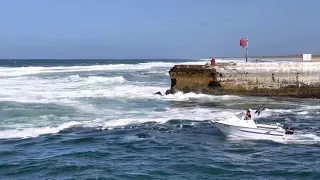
{"points": [[286, 79]]}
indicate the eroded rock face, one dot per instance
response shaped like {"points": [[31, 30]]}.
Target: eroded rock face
{"points": [[287, 79], [191, 78]]}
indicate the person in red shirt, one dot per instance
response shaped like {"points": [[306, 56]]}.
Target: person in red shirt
{"points": [[248, 115]]}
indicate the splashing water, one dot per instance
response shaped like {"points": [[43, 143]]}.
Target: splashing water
{"points": [[69, 120]]}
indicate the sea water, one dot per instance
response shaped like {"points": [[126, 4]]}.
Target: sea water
{"points": [[100, 119]]}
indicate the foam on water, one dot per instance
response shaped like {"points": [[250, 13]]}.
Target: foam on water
{"points": [[26, 85], [302, 138], [179, 96], [32, 70], [278, 110], [36, 131], [97, 79], [117, 120], [65, 90], [133, 117], [310, 107], [302, 112], [103, 112]]}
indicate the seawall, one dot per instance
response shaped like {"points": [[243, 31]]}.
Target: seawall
{"points": [[286, 79]]}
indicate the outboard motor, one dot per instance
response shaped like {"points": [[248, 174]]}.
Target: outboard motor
{"points": [[289, 130]]}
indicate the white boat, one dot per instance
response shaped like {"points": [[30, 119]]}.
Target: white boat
{"points": [[238, 126]]}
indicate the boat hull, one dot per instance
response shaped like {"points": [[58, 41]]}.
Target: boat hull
{"points": [[252, 133]]}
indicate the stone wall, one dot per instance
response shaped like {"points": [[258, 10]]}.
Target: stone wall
{"points": [[291, 79]]}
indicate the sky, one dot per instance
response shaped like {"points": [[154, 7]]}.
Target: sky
{"points": [[116, 29]]}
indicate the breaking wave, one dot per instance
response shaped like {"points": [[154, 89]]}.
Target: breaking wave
{"points": [[33, 70]]}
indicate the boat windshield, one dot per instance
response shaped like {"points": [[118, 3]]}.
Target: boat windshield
{"points": [[241, 115]]}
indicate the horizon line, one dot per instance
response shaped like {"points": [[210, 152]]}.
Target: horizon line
{"points": [[216, 57]]}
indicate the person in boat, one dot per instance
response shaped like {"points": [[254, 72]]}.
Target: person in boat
{"points": [[248, 115], [289, 130]]}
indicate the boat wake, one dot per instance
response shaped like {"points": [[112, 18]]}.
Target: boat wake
{"points": [[307, 138]]}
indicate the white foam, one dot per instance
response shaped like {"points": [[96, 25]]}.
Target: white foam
{"points": [[40, 90], [32, 70], [307, 107], [302, 112], [180, 96], [193, 114], [119, 118], [265, 114], [307, 138], [279, 110], [65, 90], [127, 121], [34, 132], [159, 117], [116, 119], [72, 89], [108, 118]]}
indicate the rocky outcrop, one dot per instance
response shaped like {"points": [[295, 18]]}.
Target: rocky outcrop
{"points": [[287, 79], [191, 78], [168, 91]]}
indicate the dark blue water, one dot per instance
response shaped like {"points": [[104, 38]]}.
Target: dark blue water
{"points": [[99, 119]]}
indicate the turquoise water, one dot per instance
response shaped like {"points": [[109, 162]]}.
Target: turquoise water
{"points": [[99, 119]]}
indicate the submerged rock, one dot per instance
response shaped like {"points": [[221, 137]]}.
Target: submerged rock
{"points": [[168, 91], [158, 93]]}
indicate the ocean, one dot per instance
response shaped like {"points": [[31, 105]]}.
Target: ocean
{"points": [[100, 119]]}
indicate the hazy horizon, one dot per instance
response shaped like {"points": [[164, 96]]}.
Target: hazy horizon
{"points": [[217, 57]]}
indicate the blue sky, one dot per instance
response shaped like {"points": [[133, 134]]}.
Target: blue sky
{"points": [[156, 28]]}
